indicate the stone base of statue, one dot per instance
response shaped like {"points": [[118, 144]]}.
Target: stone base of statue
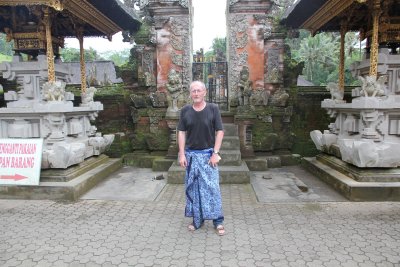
{"points": [[41, 109], [357, 184], [366, 131], [245, 123], [172, 119], [360, 150], [45, 110], [65, 184]]}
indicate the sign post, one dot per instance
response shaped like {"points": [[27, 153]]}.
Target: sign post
{"points": [[20, 161]]}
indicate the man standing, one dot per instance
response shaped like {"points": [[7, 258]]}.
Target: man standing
{"points": [[200, 134]]}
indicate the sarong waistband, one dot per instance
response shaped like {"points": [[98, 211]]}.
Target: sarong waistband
{"points": [[199, 151]]}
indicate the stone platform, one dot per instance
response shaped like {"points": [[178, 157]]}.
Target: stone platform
{"points": [[227, 174], [68, 184], [232, 169], [357, 184]]}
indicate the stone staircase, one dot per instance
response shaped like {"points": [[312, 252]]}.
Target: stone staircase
{"points": [[232, 169]]}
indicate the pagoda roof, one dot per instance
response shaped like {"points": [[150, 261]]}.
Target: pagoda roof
{"points": [[121, 14], [97, 17], [327, 15]]}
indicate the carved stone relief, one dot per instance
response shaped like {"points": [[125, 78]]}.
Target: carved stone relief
{"points": [[158, 100], [238, 40], [273, 74], [180, 42], [266, 24], [155, 118]]}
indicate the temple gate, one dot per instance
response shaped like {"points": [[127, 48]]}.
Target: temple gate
{"points": [[248, 87], [214, 74]]}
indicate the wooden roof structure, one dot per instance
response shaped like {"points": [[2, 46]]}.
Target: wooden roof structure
{"points": [[330, 15], [378, 21], [97, 17], [40, 26]]}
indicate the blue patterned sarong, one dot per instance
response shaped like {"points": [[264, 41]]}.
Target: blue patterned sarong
{"points": [[203, 195]]}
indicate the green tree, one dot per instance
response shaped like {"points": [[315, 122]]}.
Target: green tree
{"points": [[320, 55], [118, 57], [6, 48], [73, 54], [217, 50]]}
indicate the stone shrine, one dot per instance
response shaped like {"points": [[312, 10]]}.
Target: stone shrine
{"points": [[43, 110], [360, 148]]}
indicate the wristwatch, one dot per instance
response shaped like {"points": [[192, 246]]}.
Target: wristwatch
{"points": [[216, 152]]}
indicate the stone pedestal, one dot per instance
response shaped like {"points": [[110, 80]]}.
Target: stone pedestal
{"points": [[172, 121], [245, 123], [44, 110], [366, 131]]}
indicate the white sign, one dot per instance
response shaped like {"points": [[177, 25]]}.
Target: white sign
{"points": [[20, 161]]}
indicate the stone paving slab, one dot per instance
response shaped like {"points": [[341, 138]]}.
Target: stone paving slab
{"points": [[129, 183], [153, 233], [291, 184]]}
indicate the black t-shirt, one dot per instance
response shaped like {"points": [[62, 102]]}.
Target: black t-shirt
{"points": [[200, 126]]}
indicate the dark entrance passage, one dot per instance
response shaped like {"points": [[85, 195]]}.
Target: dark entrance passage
{"points": [[215, 76]]}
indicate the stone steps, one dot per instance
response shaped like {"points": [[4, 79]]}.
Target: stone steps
{"points": [[228, 174], [230, 142], [232, 169], [70, 189], [344, 182]]}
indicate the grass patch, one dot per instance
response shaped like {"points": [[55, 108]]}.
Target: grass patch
{"points": [[5, 58]]}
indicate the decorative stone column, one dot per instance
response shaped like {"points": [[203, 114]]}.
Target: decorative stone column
{"points": [[246, 24], [172, 122], [172, 22], [245, 123]]}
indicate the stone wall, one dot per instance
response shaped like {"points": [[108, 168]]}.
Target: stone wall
{"points": [[308, 116], [135, 133]]}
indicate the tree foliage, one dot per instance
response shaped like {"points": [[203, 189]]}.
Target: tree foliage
{"points": [[118, 57], [217, 50], [321, 56], [6, 48], [73, 54]]}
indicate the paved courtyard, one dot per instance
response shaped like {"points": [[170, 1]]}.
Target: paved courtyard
{"points": [[93, 232]]}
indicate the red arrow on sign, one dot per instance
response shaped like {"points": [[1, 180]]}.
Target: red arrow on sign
{"points": [[15, 177]]}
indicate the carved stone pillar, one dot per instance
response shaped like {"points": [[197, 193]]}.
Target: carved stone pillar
{"points": [[172, 122], [172, 22], [245, 123], [247, 23]]}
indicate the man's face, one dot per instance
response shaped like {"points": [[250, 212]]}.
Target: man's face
{"points": [[197, 93]]}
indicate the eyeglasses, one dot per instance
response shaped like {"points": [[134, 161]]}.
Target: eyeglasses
{"points": [[196, 91]]}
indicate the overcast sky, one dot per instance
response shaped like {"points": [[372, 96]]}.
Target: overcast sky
{"points": [[209, 23]]}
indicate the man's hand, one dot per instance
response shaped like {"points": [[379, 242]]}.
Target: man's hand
{"points": [[215, 158], [182, 160]]}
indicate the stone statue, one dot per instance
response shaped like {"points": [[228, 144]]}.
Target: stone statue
{"points": [[88, 95], [244, 89], [259, 97], [174, 88], [334, 90], [54, 91], [280, 98], [372, 87]]}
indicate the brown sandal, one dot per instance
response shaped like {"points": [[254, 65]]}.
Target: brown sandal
{"points": [[220, 230]]}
